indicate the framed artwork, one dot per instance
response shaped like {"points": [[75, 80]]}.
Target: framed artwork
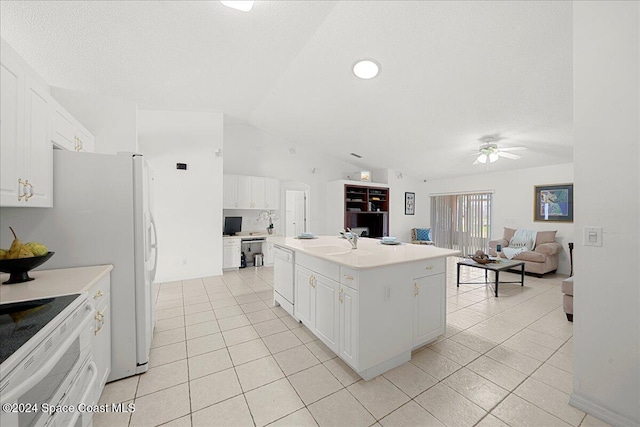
{"points": [[409, 203], [553, 203]]}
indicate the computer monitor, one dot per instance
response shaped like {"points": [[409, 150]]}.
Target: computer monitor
{"points": [[232, 225]]}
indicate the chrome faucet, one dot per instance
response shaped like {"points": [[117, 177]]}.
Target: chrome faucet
{"points": [[352, 238]]}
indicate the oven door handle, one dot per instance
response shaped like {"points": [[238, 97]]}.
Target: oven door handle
{"points": [[85, 397], [12, 395]]}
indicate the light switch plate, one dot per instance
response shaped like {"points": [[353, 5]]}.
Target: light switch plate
{"points": [[592, 236]]}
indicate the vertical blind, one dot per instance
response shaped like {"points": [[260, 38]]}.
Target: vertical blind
{"points": [[461, 221]]}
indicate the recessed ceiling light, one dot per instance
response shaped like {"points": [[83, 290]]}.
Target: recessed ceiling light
{"points": [[366, 69], [243, 5]]}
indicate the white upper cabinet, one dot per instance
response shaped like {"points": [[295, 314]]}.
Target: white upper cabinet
{"points": [[26, 156], [68, 133], [250, 192]]}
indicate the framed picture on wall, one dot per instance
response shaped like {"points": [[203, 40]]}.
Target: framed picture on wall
{"points": [[553, 203], [409, 203]]}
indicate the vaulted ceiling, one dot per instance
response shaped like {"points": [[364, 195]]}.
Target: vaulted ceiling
{"points": [[451, 71]]}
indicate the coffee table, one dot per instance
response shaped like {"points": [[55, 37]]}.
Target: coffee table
{"points": [[496, 267]]}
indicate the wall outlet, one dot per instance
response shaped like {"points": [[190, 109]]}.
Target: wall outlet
{"points": [[592, 236]]}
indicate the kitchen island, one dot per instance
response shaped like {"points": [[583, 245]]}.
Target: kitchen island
{"points": [[372, 305]]}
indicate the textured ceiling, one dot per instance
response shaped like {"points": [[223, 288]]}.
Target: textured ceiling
{"points": [[451, 71]]}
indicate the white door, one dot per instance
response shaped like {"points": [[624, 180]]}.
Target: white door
{"points": [[295, 212]]}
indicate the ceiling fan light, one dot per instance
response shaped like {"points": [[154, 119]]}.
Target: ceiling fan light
{"points": [[482, 158], [243, 5], [493, 157], [366, 69]]}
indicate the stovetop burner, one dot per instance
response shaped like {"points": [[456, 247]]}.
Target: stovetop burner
{"points": [[20, 321]]}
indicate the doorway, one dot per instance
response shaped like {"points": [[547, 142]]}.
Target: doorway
{"points": [[295, 208]]}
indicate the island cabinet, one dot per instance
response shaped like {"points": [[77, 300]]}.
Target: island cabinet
{"points": [[429, 308]]}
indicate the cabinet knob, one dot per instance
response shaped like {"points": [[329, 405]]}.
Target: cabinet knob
{"points": [[98, 295], [21, 189], [348, 277], [28, 185], [340, 295], [417, 290], [429, 267]]}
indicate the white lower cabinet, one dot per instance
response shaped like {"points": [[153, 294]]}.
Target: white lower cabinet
{"points": [[348, 324], [231, 253], [429, 308], [100, 296], [304, 306], [327, 310]]}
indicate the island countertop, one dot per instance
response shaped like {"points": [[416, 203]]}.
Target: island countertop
{"points": [[371, 253]]}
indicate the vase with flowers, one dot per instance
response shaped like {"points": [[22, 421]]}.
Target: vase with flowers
{"points": [[268, 215]]}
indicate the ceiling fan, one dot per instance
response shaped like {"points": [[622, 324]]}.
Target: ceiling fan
{"points": [[489, 151]]}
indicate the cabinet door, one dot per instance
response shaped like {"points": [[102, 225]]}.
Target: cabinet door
{"points": [[230, 192], [231, 256], [348, 325], [305, 297], [271, 194], [267, 250], [428, 309], [327, 311], [244, 192], [257, 193], [38, 149], [102, 344], [11, 129]]}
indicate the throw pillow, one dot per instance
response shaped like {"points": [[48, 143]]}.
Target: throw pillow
{"points": [[423, 234], [546, 237]]}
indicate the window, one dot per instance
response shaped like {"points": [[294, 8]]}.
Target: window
{"points": [[462, 221]]}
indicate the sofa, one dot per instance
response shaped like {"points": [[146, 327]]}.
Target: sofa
{"points": [[567, 298], [541, 260], [421, 236]]}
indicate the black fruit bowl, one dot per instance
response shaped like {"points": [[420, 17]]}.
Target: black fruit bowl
{"points": [[18, 268]]}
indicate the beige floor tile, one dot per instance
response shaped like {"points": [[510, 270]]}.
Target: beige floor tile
{"points": [[304, 334], [240, 335], [474, 342], [161, 407], [434, 364], [291, 322], [320, 350], [516, 411], [410, 414], [258, 373], [120, 391], [193, 299], [209, 363], [222, 303], [550, 399], [496, 372], [591, 421], [254, 306], [174, 303], [249, 297], [465, 318], [282, 341], [168, 324], [167, 354], [272, 402], [526, 347], [554, 377], [477, 389], [197, 308], [495, 330], [491, 421], [213, 388], [379, 396], [169, 313], [454, 351], [341, 409], [112, 419], [261, 316], [279, 311], [219, 294], [270, 327], [163, 377], [233, 322], [562, 361], [231, 412], [514, 359], [201, 329], [168, 337], [222, 313], [295, 359], [410, 379], [342, 371], [205, 316], [204, 344], [180, 422], [300, 418], [449, 406], [248, 351], [314, 383]]}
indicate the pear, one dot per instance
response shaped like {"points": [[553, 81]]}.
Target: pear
{"points": [[3, 253], [38, 249], [17, 249]]}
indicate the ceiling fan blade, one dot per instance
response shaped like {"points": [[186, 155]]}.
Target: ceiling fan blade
{"points": [[513, 148], [476, 162], [509, 155]]}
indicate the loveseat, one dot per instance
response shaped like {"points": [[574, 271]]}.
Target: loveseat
{"points": [[542, 259]]}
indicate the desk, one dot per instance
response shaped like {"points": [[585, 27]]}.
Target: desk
{"points": [[496, 267]]}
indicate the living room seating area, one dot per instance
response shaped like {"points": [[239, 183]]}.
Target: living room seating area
{"points": [[542, 257]]}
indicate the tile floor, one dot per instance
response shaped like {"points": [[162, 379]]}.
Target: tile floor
{"points": [[222, 355]]}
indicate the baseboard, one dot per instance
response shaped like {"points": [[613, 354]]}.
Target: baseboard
{"points": [[598, 411]]}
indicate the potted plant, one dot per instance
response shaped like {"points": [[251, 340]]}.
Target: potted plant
{"points": [[270, 216]]}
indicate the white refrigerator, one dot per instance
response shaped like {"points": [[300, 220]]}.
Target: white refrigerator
{"points": [[102, 215]]}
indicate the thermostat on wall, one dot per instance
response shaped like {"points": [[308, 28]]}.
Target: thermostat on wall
{"points": [[182, 166]]}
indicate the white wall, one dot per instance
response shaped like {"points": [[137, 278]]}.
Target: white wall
{"points": [[251, 151], [188, 204], [112, 121], [400, 225], [513, 200], [606, 96]]}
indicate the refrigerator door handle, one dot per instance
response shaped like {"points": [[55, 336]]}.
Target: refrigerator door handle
{"points": [[154, 246]]}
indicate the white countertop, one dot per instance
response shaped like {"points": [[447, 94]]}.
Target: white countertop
{"points": [[50, 283], [371, 253]]}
